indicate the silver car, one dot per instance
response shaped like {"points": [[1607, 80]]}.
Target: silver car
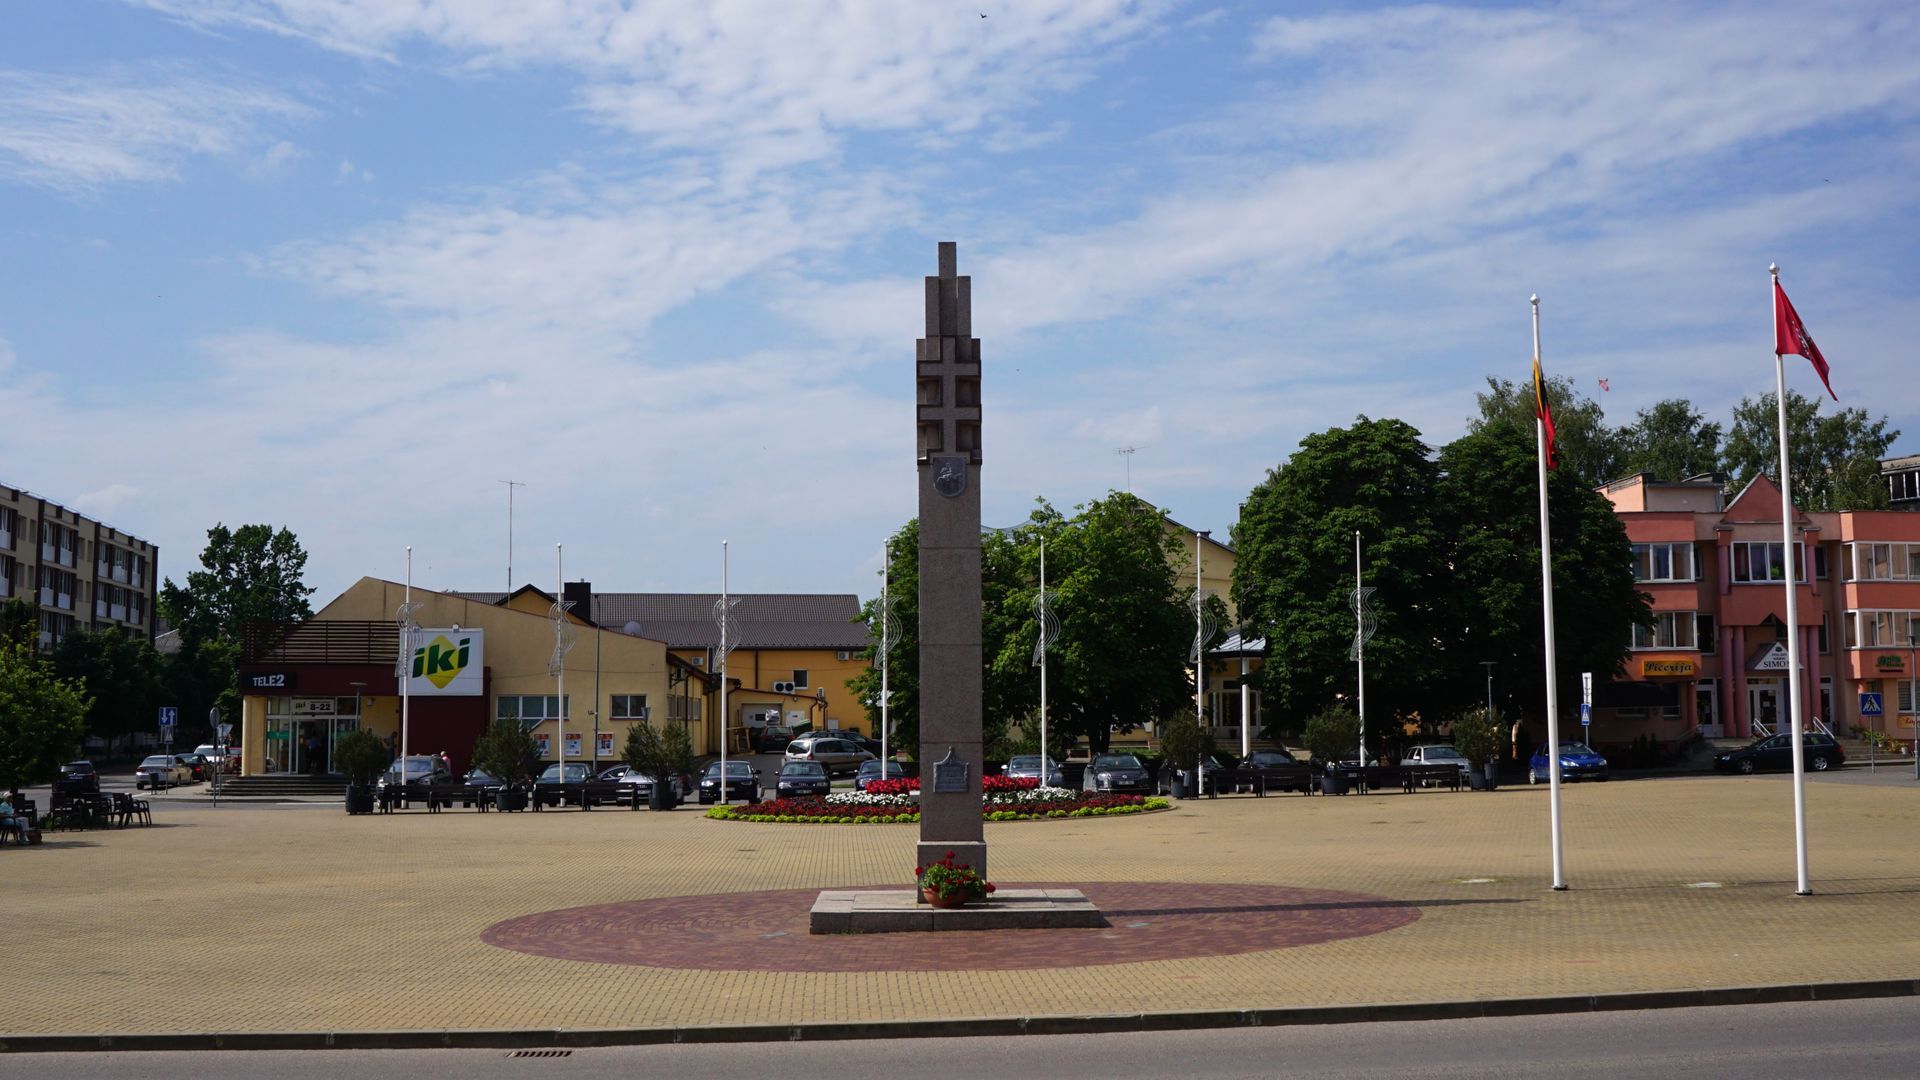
{"points": [[1027, 767], [838, 755], [161, 771], [1437, 754]]}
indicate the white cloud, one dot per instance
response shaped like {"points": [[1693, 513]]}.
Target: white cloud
{"points": [[765, 85], [127, 125]]}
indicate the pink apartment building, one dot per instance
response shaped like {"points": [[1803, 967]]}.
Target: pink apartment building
{"points": [[1716, 657]]}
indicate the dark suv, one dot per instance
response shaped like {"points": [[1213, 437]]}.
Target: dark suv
{"points": [[77, 778], [1776, 752]]}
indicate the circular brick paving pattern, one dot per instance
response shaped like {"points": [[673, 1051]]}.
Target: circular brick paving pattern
{"points": [[767, 931]]}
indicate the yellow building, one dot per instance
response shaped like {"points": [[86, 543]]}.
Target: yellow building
{"points": [[791, 657], [305, 684]]}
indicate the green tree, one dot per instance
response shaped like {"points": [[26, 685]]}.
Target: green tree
{"points": [[253, 572], [121, 676], [42, 717], [1671, 441], [198, 678], [1835, 458], [19, 621], [1584, 444], [1294, 577], [1125, 625], [903, 567], [1488, 489]]}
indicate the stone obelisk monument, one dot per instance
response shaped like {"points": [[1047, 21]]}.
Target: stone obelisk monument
{"points": [[947, 379]]}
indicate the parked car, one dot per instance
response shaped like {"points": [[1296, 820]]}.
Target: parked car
{"points": [[548, 789], [1817, 750], [1264, 760], [1437, 754], [481, 780], [1367, 758], [1117, 772], [161, 771], [77, 778], [217, 760], [773, 738], [742, 782], [198, 766], [874, 770], [802, 778], [1210, 766], [421, 769], [1577, 762], [838, 755], [871, 746], [1027, 767], [627, 774]]}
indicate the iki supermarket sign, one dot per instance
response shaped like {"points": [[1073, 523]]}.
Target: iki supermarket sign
{"points": [[447, 663]]}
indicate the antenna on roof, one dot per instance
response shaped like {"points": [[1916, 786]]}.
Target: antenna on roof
{"points": [[1128, 452]]}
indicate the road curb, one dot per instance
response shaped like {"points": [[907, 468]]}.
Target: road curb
{"points": [[1106, 1023]]}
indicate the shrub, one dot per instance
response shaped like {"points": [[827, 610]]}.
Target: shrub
{"points": [[1333, 733], [506, 752], [361, 756], [1476, 734]]}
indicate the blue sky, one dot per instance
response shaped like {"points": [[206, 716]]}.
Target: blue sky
{"points": [[343, 265]]}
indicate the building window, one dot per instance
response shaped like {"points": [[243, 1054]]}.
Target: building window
{"points": [[1705, 633], [1663, 562], [1882, 562], [9, 523], [530, 709], [1670, 630], [629, 706], [1757, 560], [1826, 633], [1881, 629], [684, 708], [1820, 570], [1904, 695], [800, 678]]}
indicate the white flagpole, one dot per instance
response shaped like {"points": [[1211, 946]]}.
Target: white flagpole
{"points": [[560, 679], [886, 648], [1360, 652], [1546, 603], [1793, 611], [1046, 775], [406, 674], [725, 611]]}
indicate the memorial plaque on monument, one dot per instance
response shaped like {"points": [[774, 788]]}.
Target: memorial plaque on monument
{"points": [[950, 775]]}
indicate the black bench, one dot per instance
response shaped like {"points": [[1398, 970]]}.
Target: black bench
{"points": [[588, 794], [1413, 777], [434, 796], [1260, 781]]}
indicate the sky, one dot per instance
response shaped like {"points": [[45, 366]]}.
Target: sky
{"points": [[346, 265]]}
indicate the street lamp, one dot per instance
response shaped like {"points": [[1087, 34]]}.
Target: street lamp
{"points": [[1913, 693], [1489, 665]]}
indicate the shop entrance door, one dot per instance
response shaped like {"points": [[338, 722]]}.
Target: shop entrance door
{"points": [[1763, 707]]}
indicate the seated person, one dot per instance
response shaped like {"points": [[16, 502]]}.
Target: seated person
{"points": [[12, 821]]}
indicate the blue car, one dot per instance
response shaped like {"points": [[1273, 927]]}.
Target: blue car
{"points": [[1577, 762]]}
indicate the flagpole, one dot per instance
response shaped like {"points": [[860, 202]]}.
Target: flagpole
{"points": [[1046, 774], [406, 674], [1360, 655], [886, 649], [726, 610], [1546, 605], [560, 674], [1793, 607]]}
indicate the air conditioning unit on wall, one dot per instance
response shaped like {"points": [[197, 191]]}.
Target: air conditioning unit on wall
{"points": [[843, 654], [783, 688]]}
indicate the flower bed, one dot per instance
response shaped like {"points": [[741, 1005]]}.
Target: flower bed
{"points": [[1025, 805]]}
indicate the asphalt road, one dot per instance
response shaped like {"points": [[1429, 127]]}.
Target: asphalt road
{"points": [[1834, 1040]]}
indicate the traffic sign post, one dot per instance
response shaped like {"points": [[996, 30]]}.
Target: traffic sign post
{"points": [[1586, 707], [168, 715], [1872, 704]]}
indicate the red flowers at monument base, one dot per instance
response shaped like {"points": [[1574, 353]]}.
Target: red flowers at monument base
{"points": [[951, 884]]}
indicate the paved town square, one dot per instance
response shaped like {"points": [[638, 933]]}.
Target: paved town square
{"points": [[299, 918]]}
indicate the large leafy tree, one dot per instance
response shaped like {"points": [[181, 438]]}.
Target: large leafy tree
{"points": [[42, 717], [903, 674], [1125, 624], [253, 572], [1586, 446], [1487, 490], [1294, 576], [1670, 440], [1835, 458], [120, 673], [19, 621]]}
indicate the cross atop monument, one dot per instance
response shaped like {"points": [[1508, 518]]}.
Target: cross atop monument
{"points": [[948, 361]]}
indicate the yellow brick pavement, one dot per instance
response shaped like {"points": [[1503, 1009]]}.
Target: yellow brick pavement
{"points": [[285, 919]]}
